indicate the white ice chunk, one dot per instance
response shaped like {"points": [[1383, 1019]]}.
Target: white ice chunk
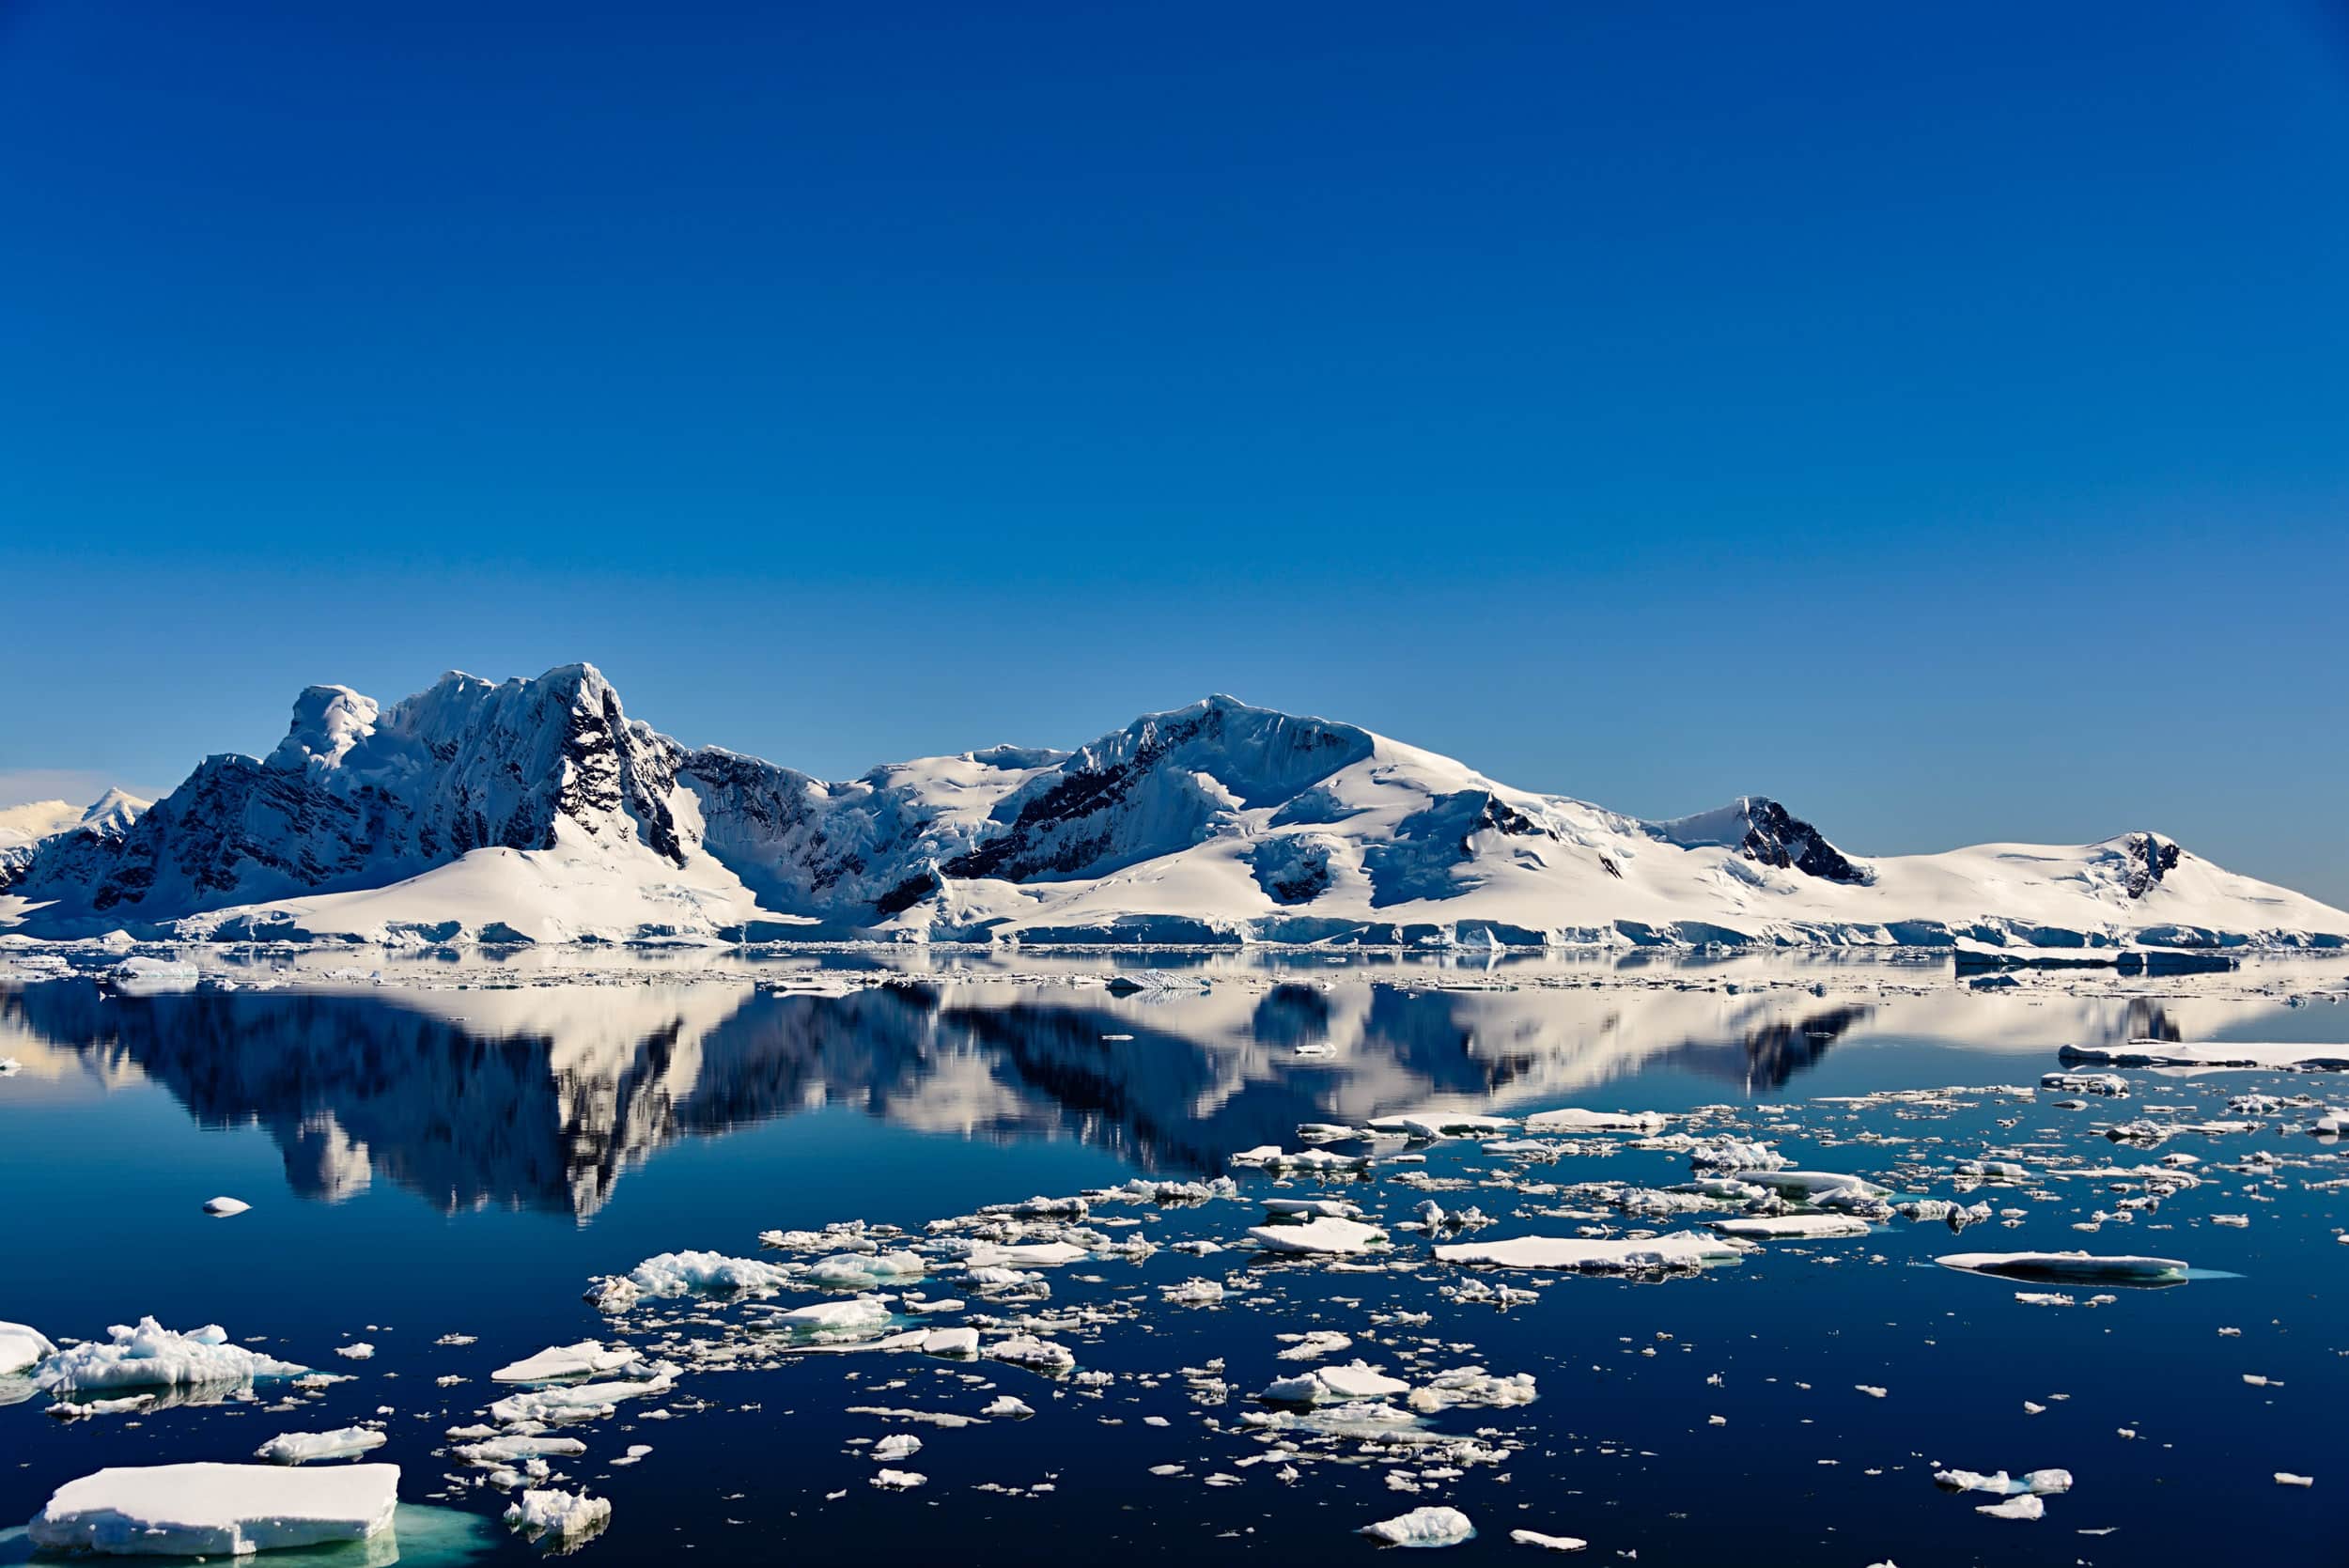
{"points": [[1548, 1542], [220, 1208], [563, 1514]]}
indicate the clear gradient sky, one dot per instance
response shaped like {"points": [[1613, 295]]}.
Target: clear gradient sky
{"points": [[1934, 415]]}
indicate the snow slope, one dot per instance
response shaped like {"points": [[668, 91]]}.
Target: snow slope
{"points": [[536, 810]]}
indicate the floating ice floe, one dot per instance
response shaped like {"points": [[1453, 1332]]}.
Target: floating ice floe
{"points": [[2037, 1483], [152, 1356], [1313, 1345], [2082, 1268], [1333, 1386], [1548, 1542], [21, 1345], [1436, 1125], [864, 1270], [570, 1402], [1026, 1350], [587, 1359], [899, 1481], [896, 1446], [696, 1273], [1269, 1157], [361, 1351], [1680, 1250], [2215, 1054], [1573, 1118], [856, 1314], [1006, 1407], [563, 1514], [216, 1510], [1032, 1254], [1817, 1186], [1326, 1234], [517, 1449], [1424, 1527], [223, 1207], [1814, 1227], [2024, 1505], [1471, 1386], [2110, 1084], [301, 1448]]}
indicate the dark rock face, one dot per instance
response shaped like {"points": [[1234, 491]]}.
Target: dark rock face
{"points": [[1775, 836], [2151, 857]]}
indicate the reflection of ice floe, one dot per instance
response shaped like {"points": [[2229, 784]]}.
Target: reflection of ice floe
{"points": [[2082, 1268]]}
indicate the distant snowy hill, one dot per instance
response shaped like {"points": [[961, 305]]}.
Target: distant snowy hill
{"points": [[536, 810]]}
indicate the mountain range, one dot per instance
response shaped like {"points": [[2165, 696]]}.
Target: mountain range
{"points": [[535, 810]]}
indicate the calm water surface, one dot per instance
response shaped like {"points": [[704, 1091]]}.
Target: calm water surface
{"points": [[424, 1162]]}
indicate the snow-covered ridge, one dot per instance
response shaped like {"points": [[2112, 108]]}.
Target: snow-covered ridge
{"points": [[538, 810]]}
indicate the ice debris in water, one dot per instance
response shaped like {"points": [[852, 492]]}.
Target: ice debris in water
{"points": [[559, 1513], [1008, 1406], [300, 1448], [222, 1208], [216, 1510], [1424, 1527], [899, 1481], [896, 1446], [152, 1356]]}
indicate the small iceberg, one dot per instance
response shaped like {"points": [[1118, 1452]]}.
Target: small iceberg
{"points": [[152, 1356], [1424, 1527], [225, 1207], [564, 1516], [216, 1510]]}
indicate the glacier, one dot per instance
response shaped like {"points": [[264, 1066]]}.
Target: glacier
{"points": [[538, 811]]}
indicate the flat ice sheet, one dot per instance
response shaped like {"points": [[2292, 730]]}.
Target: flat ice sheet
{"points": [[216, 1510]]}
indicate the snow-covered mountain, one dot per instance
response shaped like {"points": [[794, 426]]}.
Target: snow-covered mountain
{"points": [[536, 810]]}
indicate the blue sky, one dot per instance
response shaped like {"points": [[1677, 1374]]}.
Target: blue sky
{"points": [[1933, 416]]}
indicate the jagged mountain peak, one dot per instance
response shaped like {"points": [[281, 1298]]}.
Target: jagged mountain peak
{"points": [[1765, 832], [536, 806]]}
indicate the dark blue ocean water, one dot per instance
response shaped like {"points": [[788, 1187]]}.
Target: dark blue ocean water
{"points": [[423, 1164]]}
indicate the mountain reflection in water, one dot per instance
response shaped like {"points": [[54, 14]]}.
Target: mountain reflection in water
{"points": [[543, 1096]]}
